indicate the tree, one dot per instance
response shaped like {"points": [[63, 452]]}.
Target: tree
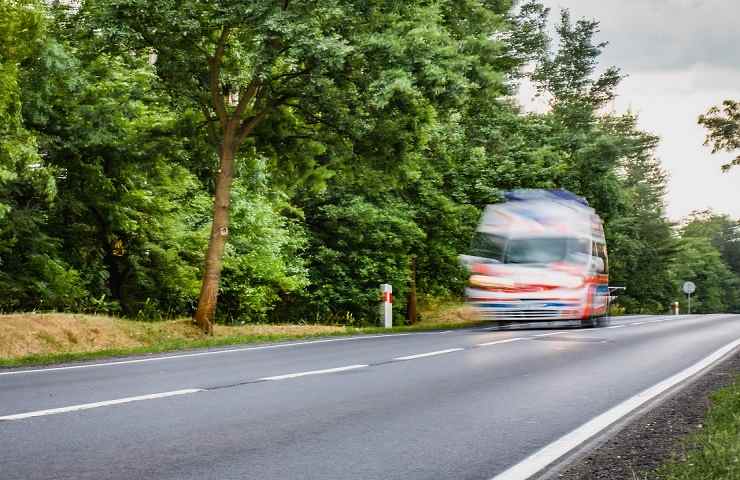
{"points": [[238, 62], [723, 125], [32, 273], [700, 262], [641, 240], [723, 231], [337, 63]]}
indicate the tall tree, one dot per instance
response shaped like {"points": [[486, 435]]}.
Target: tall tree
{"points": [[338, 63], [641, 240], [239, 62], [723, 125]]}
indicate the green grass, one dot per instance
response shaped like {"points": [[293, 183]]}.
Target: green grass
{"points": [[714, 451], [171, 345]]}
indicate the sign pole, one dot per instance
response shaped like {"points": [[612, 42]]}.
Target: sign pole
{"points": [[689, 304], [689, 288]]}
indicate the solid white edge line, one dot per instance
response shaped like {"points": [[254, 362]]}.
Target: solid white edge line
{"points": [[88, 406], [497, 342], [313, 372], [199, 354], [538, 461], [429, 354]]}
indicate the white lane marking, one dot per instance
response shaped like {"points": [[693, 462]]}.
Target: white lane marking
{"points": [[88, 406], [488, 329], [637, 323], [497, 342], [616, 326], [549, 454], [548, 334], [429, 354], [314, 372], [199, 354]]}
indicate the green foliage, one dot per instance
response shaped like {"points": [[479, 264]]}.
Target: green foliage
{"points": [[263, 260], [357, 245], [641, 242], [707, 242], [714, 449], [32, 274], [384, 128], [723, 125]]}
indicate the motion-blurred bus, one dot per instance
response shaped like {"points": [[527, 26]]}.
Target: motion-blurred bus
{"points": [[539, 256]]}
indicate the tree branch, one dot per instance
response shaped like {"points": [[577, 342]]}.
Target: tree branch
{"points": [[217, 97], [246, 96], [212, 134], [250, 124], [292, 75]]}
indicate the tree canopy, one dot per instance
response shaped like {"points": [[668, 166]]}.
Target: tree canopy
{"points": [[284, 158], [723, 129]]}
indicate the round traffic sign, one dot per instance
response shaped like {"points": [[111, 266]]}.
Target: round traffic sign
{"points": [[689, 288]]}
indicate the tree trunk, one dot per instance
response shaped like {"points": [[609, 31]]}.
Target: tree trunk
{"points": [[411, 297], [205, 314]]}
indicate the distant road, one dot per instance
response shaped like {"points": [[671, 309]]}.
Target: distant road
{"points": [[465, 404]]}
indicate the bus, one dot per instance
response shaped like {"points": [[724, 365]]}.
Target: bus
{"points": [[539, 256]]}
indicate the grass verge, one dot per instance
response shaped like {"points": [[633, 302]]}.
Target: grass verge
{"points": [[714, 451], [42, 339]]}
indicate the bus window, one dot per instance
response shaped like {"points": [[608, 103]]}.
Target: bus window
{"points": [[488, 246], [599, 250]]}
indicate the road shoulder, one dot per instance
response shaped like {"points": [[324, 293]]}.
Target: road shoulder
{"points": [[651, 437]]}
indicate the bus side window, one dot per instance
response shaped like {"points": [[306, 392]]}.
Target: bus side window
{"points": [[600, 251]]}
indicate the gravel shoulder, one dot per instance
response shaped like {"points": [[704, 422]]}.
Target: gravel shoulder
{"points": [[652, 437]]}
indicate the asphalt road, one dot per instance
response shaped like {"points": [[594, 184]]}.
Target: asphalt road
{"points": [[464, 404]]}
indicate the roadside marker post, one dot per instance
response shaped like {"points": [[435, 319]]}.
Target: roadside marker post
{"points": [[386, 305]]}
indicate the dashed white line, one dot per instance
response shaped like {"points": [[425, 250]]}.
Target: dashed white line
{"points": [[548, 334], [541, 459], [497, 342], [429, 354], [314, 372], [88, 406], [616, 326], [637, 323]]}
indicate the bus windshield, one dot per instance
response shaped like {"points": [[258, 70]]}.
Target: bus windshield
{"points": [[547, 250]]}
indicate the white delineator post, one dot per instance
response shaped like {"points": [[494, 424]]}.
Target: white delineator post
{"points": [[386, 305]]}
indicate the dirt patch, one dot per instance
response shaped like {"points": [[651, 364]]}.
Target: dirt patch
{"points": [[26, 334], [446, 313], [653, 438], [36, 334], [267, 329]]}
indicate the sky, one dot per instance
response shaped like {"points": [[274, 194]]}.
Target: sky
{"points": [[681, 57]]}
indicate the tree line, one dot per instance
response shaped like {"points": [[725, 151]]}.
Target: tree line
{"points": [[275, 160]]}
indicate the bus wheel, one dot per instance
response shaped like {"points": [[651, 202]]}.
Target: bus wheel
{"points": [[603, 321], [590, 322]]}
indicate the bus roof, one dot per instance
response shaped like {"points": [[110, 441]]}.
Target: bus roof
{"points": [[542, 214]]}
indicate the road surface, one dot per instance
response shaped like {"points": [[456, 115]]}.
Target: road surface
{"points": [[464, 404]]}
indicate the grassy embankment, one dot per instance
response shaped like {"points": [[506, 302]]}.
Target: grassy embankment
{"points": [[44, 338], [714, 451]]}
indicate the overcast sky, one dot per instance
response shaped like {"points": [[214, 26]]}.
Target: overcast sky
{"points": [[681, 57]]}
